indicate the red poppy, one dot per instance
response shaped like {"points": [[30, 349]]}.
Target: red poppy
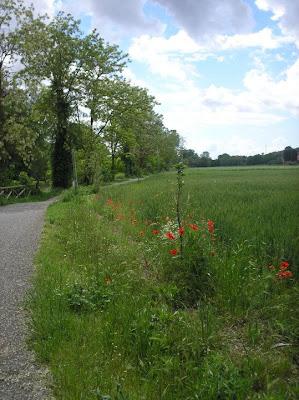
{"points": [[108, 280], [211, 226], [181, 230], [173, 252], [155, 232], [284, 274], [194, 227], [284, 265], [170, 235]]}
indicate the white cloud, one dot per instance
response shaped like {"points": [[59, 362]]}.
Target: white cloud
{"points": [[264, 39], [163, 53], [191, 109], [175, 57], [279, 94], [286, 12], [164, 56]]}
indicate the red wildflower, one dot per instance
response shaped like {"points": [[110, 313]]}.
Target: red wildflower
{"points": [[284, 265], [155, 232], [211, 226], [109, 202], [181, 230], [194, 227], [108, 280], [173, 252], [284, 274], [170, 235]]}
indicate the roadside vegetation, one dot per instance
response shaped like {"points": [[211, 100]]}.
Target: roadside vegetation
{"points": [[41, 195], [132, 302]]}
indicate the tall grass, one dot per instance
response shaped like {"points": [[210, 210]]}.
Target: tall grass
{"points": [[115, 315]]}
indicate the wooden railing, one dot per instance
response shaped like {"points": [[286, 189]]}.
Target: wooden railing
{"points": [[17, 191]]}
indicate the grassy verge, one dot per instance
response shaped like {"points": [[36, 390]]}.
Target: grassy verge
{"points": [[42, 196], [117, 315]]}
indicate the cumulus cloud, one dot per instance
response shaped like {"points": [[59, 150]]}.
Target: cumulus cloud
{"points": [[263, 101], [264, 39], [201, 18], [286, 12], [165, 57], [278, 94], [174, 57], [182, 43]]}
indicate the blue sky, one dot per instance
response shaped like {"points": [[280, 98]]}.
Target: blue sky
{"points": [[225, 72]]}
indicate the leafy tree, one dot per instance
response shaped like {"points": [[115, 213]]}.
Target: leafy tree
{"points": [[205, 154], [103, 62], [205, 160], [91, 155], [12, 15], [190, 157], [18, 136], [55, 52], [120, 115], [41, 110], [257, 159], [224, 160], [289, 154], [169, 148]]}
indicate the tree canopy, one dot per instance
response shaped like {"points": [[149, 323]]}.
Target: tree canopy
{"points": [[66, 97]]}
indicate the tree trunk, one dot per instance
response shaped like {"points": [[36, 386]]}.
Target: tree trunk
{"points": [[1, 104], [127, 160], [2, 121], [62, 154], [91, 120], [112, 166]]}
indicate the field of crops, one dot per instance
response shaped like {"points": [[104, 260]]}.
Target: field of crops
{"points": [[129, 304]]}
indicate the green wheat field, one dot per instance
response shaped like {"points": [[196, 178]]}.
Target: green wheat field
{"points": [[125, 307]]}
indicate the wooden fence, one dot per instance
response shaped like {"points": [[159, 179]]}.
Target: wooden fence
{"points": [[17, 191]]}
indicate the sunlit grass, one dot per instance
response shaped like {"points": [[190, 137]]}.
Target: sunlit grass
{"points": [[115, 314]]}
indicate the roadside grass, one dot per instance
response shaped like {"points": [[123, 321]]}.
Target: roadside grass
{"points": [[41, 196], [116, 316]]}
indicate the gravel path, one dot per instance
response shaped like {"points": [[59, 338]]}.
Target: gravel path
{"points": [[20, 227]]}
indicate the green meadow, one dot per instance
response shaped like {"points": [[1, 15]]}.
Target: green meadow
{"points": [[124, 307]]}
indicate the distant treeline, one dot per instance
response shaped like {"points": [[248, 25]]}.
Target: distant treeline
{"points": [[192, 159]]}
